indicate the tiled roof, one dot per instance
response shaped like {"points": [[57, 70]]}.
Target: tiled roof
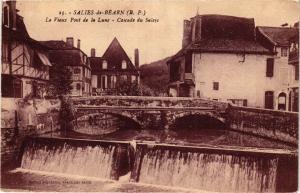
{"points": [[279, 35], [226, 27], [224, 46], [58, 45], [115, 54], [95, 63]]}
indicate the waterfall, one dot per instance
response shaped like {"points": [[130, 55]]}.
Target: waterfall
{"points": [[208, 171], [85, 160]]}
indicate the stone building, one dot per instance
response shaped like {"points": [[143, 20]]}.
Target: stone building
{"points": [[222, 59], [113, 68], [283, 41], [66, 54], [25, 63]]}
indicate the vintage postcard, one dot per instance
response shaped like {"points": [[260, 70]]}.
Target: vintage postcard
{"points": [[149, 96]]}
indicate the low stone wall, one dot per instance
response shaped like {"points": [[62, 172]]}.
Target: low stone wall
{"points": [[278, 125], [20, 119], [142, 101]]}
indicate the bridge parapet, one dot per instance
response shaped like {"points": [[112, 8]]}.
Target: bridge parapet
{"points": [[142, 101]]}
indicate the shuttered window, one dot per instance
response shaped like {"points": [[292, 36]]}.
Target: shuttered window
{"points": [[296, 72], [188, 63], [270, 67], [269, 100]]}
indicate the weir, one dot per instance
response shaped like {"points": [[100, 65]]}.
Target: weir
{"points": [[204, 168], [91, 158], [215, 169]]}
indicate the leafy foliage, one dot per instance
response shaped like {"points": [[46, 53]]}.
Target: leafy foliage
{"points": [[60, 81], [156, 76], [134, 89]]}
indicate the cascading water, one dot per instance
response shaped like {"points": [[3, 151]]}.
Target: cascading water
{"points": [[99, 160], [208, 171]]}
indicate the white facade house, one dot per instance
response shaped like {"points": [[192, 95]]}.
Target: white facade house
{"points": [[228, 64]]}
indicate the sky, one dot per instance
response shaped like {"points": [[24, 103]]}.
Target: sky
{"points": [[155, 41]]}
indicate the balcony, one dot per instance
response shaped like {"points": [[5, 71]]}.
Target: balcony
{"points": [[36, 73], [189, 76]]}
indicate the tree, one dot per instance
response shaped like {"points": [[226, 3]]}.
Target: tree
{"points": [[133, 89], [60, 81]]}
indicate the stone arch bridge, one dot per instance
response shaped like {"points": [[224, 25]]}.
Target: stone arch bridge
{"points": [[150, 112]]}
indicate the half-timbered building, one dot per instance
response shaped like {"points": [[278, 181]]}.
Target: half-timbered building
{"points": [[25, 63]]}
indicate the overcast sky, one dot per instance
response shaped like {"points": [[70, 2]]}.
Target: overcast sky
{"points": [[154, 40]]}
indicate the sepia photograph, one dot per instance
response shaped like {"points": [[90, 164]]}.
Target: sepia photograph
{"points": [[149, 96]]}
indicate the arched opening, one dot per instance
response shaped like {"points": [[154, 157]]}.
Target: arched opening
{"points": [[196, 121], [282, 101], [103, 124], [197, 128]]}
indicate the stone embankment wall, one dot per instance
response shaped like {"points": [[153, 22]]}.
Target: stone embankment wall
{"points": [[278, 125], [21, 118]]}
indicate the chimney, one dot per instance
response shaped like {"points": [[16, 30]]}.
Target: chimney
{"points": [[13, 15], [78, 43], [136, 58], [70, 41], [93, 52], [186, 33]]}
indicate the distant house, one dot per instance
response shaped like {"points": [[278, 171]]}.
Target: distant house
{"points": [[284, 42], [25, 63], [112, 68], [66, 54]]}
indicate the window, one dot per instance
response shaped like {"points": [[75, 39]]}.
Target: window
{"points": [[123, 78], [78, 86], [104, 64], [239, 102], [284, 52], [113, 81], [77, 71], [269, 98], [4, 52], [6, 16], [270, 67], [296, 72], [215, 85], [124, 65], [103, 82], [188, 63], [11, 87], [198, 93], [133, 78]]}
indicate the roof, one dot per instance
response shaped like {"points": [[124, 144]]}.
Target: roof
{"points": [[226, 27], [115, 54], [61, 53], [58, 45], [21, 33], [224, 46], [279, 35], [95, 63]]}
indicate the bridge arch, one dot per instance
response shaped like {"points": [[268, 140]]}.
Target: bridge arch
{"points": [[198, 120], [130, 119]]}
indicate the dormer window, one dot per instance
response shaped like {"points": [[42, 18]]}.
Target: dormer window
{"points": [[6, 16], [104, 64], [124, 65]]}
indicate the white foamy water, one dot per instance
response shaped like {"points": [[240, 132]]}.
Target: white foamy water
{"points": [[83, 161], [209, 172]]}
